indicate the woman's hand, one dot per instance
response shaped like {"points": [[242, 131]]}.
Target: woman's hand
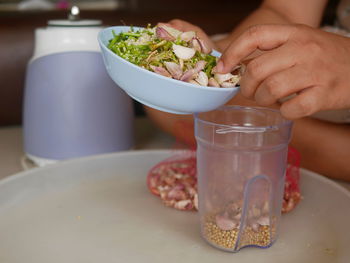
{"points": [[185, 26], [310, 63]]}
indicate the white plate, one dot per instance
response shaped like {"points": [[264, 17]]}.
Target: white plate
{"points": [[98, 209]]}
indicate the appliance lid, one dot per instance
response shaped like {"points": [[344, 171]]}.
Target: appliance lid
{"points": [[79, 23], [74, 20]]}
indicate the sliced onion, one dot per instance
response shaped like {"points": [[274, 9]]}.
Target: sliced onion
{"points": [[200, 65], [220, 78], [205, 48], [224, 223], [213, 83], [200, 46], [174, 69], [184, 53], [189, 75], [202, 78], [160, 71], [192, 81], [163, 34], [187, 36], [172, 31], [196, 44], [228, 85], [235, 80], [192, 73]]}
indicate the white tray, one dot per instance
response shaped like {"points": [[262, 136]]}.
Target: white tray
{"points": [[98, 209]]}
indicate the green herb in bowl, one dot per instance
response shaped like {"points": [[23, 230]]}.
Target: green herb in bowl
{"points": [[171, 53]]}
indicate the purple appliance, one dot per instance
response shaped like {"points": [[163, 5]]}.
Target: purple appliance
{"points": [[71, 106]]}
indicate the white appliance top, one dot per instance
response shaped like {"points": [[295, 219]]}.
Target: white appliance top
{"points": [[67, 35], [77, 23]]}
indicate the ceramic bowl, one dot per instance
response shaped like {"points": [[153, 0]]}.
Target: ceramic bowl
{"points": [[155, 90]]}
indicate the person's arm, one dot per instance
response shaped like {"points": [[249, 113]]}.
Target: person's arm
{"points": [[324, 147], [179, 126], [308, 12]]}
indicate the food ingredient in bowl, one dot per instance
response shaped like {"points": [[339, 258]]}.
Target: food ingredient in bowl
{"points": [[172, 53]]}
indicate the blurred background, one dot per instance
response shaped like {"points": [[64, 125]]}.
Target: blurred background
{"points": [[18, 20]]}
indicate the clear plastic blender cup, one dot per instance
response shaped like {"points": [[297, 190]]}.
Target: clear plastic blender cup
{"points": [[241, 162]]}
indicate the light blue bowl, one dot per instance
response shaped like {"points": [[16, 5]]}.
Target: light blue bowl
{"points": [[157, 91]]}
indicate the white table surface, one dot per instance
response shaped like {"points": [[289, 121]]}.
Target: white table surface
{"points": [[147, 136]]}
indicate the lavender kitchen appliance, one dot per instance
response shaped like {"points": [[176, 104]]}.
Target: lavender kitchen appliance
{"points": [[71, 106]]}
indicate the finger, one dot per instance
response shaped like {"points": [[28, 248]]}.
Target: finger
{"points": [[306, 103], [162, 23], [265, 65], [181, 25], [177, 24], [282, 84], [185, 26], [263, 37]]}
